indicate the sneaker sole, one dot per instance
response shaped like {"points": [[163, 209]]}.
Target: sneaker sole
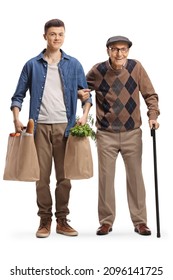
{"points": [[67, 233], [42, 235]]}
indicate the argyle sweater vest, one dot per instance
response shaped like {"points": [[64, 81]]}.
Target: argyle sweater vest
{"points": [[117, 95]]}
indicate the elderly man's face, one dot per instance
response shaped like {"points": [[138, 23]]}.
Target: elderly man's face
{"points": [[118, 53]]}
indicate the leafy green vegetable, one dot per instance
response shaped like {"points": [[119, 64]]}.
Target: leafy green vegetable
{"points": [[85, 130]]}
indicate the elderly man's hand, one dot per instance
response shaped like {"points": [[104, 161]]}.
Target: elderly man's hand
{"points": [[153, 124], [83, 94]]}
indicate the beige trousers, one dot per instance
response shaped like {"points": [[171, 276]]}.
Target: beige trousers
{"points": [[109, 145], [50, 144]]}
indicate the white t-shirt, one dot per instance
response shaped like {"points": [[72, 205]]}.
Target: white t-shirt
{"points": [[52, 108]]}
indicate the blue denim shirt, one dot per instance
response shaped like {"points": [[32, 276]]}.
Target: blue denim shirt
{"points": [[33, 77]]}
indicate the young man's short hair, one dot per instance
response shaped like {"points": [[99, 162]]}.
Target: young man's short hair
{"points": [[53, 23]]}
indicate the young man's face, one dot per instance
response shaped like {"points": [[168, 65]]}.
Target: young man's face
{"points": [[118, 53], [55, 37]]}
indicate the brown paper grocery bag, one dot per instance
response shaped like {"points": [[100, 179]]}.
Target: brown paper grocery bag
{"points": [[21, 158], [78, 163]]}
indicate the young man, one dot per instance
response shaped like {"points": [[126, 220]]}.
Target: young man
{"points": [[117, 83], [54, 80]]}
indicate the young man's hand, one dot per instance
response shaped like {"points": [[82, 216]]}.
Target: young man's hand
{"points": [[18, 126]]}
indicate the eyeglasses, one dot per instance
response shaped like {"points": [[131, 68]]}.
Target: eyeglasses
{"points": [[116, 50]]}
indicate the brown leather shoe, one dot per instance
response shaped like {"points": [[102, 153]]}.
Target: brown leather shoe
{"points": [[142, 229], [44, 227], [104, 229]]}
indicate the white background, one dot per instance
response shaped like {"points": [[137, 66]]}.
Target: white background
{"points": [[88, 26]]}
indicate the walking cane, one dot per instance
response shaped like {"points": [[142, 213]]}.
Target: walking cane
{"points": [[153, 134]]}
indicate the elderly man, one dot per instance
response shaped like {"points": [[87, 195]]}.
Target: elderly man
{"points": [[117, 83]]}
